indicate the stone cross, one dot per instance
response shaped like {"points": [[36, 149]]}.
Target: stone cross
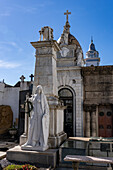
{"points": [[31, 77], [22, 78], [26, 116], [67, 13]]}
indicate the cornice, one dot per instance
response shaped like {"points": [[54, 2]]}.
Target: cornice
{"points": [[97, 70]]}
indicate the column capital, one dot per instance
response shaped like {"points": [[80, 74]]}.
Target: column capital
{"points": [[89, 108]]}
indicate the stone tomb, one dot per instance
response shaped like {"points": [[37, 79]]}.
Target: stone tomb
{"points": [[45, 158], [46, 76]]}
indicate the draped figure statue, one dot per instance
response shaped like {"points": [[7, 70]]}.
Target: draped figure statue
{"points": [[38, 132]]}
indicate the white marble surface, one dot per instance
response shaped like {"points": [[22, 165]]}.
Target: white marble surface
{"points": [[39, 123]]}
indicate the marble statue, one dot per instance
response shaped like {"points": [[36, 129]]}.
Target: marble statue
{"points": [[64, 51], [38, 132], [47, 33], [79, 57]]}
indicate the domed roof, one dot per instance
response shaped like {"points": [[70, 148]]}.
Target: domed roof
{"points": [[71, 40], [92, 46]]}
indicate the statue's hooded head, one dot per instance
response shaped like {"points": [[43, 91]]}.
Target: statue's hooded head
{"points": [[39, 89]]}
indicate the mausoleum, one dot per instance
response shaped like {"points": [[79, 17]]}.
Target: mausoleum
{"points": [[84, 87]]}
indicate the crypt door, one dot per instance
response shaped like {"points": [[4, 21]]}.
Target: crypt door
{"points": [[105, 121], [67, 97]]}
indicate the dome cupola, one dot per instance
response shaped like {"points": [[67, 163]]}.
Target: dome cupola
{"points": [[92, 46], [71, 53], [92, 56]]}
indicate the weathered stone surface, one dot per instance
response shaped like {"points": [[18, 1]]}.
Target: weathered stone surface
{"points": [[98, 84], [49, 157], [6, 118]]}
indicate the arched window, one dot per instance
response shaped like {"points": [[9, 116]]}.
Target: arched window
{"points": [[67, 97]]}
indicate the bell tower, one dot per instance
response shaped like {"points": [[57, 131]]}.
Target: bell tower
{"points": [[92, 56]]}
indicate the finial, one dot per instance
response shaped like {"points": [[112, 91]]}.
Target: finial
{"points": [[22, 78], [91, 39], [67, 13]]}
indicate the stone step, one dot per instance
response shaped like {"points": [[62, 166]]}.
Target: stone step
{"points": [[47, 158]]}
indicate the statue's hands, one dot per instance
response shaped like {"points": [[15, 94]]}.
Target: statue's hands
{"points": [[31, 98], [44, 115]]}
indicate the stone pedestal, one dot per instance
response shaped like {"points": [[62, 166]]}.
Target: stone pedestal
{"points": [[45, 158], [56, 133], [46, 76], [45, 66], [23, 137]]}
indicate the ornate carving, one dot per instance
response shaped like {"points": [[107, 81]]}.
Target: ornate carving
{"points": [[89, 108], [47, 33], [44, 50]]}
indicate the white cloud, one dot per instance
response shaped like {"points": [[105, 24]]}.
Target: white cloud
{"points": [[5, 64], [11, 44]]}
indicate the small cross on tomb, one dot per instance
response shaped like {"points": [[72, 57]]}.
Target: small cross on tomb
{"points": [[67, 13], [22, 78], [31, 77]]}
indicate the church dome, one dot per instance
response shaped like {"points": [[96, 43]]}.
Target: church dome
{"points": [[71, 40], [92, 47]]}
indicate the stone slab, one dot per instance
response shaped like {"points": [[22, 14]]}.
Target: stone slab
{"points": [[89, 159], [48, 157], [2, 155], [85, 139]]}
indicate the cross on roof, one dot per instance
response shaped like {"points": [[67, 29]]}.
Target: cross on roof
{"points": [[67, 13], [22, 78], [31, 77]]}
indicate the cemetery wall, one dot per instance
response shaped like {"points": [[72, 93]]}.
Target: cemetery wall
{"points": [[11, 98], [2, 85]]}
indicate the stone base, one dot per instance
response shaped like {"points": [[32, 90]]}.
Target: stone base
{"points": [[48, 157], [56, 141], [33, 148], [23, 139], [61, 138]]}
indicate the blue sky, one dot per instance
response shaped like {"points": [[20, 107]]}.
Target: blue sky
{"points": [[20, 21]]}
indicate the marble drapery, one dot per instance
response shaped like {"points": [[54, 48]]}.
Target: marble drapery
{"points": [[38, 132]]}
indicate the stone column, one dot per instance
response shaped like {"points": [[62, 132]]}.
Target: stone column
{"points": [[93, 123], [46, 76], [26, 120], [45, 67], [87, 124], [23, 137]]}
